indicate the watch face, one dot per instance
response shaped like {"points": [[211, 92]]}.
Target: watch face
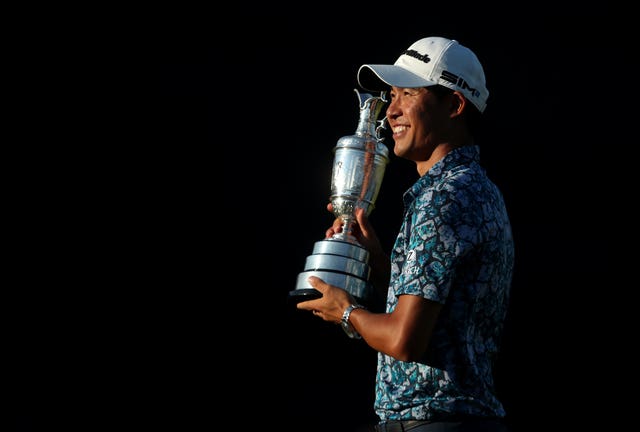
{"points": [[345, 326], [349, 330]]}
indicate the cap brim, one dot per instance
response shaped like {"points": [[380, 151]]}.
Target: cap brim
{"points": [[379, 77]]}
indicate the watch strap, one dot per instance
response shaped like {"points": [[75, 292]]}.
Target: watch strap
{"points": [[346, 325]]}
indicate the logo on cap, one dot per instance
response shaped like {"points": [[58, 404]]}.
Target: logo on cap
{"points": [[415, 54], [460, 82]]}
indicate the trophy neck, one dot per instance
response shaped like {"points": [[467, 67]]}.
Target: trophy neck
{"points": [[348, 221], [370, 109]]}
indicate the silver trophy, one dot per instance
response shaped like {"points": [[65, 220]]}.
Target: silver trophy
{"points": [[358, 168]]}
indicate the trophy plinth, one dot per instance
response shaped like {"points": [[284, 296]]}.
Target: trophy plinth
{"points": [[339, 263], [358, 168]]}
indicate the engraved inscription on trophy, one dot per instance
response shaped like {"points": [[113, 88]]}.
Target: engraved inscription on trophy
{"points": [[358, 169]]}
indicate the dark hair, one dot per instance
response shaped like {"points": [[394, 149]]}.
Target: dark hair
{"points": [[472, 114]]}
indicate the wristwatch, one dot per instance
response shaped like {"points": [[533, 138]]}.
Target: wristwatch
{"points": [[346, 326]]}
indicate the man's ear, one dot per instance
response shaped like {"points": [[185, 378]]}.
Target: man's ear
{"points": [[458, 104]]}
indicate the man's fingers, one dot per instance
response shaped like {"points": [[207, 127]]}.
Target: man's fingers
{"points": [[317, 283]]}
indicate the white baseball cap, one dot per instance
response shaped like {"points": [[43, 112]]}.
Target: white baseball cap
{"points": [[431, 61]]}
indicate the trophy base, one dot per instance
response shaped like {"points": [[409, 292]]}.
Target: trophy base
{"points": [[303, 294], [338, 263], [357, 287]]}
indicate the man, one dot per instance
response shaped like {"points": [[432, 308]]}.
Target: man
{"points": [[448, 277]]}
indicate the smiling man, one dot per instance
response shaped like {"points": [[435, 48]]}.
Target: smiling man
{"points": [[448, 276]]}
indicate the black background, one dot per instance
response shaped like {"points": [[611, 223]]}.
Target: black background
{"points": [[226, 187]]}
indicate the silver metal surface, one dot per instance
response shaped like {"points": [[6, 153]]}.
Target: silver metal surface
{"points": [[338, 263], [358, 169], [359, 288], [338, 247], [358, 166]]}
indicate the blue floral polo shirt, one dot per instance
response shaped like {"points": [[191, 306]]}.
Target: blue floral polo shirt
{"points": [[455, 247]]}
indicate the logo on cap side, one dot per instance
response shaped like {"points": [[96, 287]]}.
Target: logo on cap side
{"points": [[415, 54], [459, 81]]}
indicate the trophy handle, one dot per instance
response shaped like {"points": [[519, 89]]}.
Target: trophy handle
{"points": [[380, 128]]}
